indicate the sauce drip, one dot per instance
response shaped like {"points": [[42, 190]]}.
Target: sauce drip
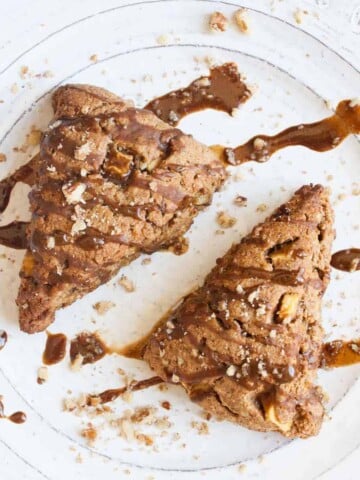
{"points": [[319, 136], [25, 174], [3, 339], [16, 417], [90, 346], [112, 394], [222, 90], [340, 353], [13, 235], [347, 260], [55, 348]]}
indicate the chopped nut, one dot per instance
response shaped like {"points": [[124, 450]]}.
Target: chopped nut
{"points": [[42, 375], [83, 151], [218, 22], [103, 306], [50, 242], [76, 364], [231, 370], [225, 220], [261, 208], [126, 283], [298, 16], [90, 434], [241, 18], [24, 70], [73, 192], [259, 144], [14, 88], [270, 416], [201, 427], [288, 307], [240, 201], [78, 226], [162, 39]]}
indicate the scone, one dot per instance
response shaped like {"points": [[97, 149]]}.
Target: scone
{"points": [[246, 346]]}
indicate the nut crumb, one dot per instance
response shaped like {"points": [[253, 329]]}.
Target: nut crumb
{"points": [[24, 70], [2, 157], [240, 201], [42, 375], [126, 283], [103, 306], [218, 22], [242, 468], [225, 220], [90, 434], [146, 261], [77, 363], [93, 58], [14, 88], [241, 18], [261, 208], [201, 427]]}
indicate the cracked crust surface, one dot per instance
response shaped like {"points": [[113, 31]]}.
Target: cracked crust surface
{"points": [[113, 181], [246, 345]]}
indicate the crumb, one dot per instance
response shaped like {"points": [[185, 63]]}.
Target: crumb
{"points": [[24, 70], [242, 468], [329, 178], [201, 427], [242, 20], [165, 404], [162, 40], [219, 232], [77, 363], [79, 458], [298, 16], [225, 220], [240, 201], [34, 137], [14, 88], [103, 306], [180, 247], [146, 261], [218, 22], [127, 284], [341, 196], [93, 58], [2, 157], [42, 375], [261, 208], [90, 434]]}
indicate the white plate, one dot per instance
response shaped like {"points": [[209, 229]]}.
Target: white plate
{"points": [[294, 73]]}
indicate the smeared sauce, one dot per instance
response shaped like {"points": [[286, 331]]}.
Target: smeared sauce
{"points": [[3, 339], [16, 417], [55, 348], [340, 353], [13, 235], [319, 136], [347, 260], [222, 90], [112, 394], [25, 174], [90, 346]]}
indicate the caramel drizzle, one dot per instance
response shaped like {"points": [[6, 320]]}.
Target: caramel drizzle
{"points": [[347, 260], [113, 393], [319, 136], [340, 353], [222, 90], [16, 417], [55, 348]]}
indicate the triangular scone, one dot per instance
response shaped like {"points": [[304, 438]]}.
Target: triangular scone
{"points": [[246, 346], [113, 181]]}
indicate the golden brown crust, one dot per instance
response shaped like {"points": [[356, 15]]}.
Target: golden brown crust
{"points": [[112, 183], [246, 345]]}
